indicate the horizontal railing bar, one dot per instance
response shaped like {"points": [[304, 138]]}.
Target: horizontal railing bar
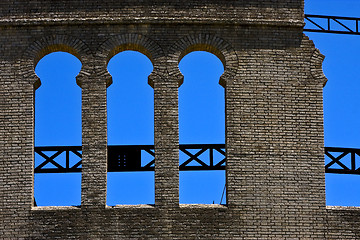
{"points": [[332, 17], [132, 151], [331, 31], [56, 170], [79, 148], [341, 171], [201, 168], [197, 146], [58, 148], [342, 149], [194, 146], [142, 169]]}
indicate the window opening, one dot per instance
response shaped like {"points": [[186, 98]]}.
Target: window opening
{"points": [[130, 104], [201, 121], [57, 124]]}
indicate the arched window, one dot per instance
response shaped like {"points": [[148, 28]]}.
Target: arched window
{"points": [[57, 123], [201, 121], [341, 113], [130, 104]]}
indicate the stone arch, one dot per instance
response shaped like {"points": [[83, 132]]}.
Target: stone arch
{"points": [[54, 43], [135, 42], [208, 43]]}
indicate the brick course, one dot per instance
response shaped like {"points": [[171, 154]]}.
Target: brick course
{"points": [[274, 119]]}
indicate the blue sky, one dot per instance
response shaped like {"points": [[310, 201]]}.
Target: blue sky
{"points": [[201, 116], [341, 94], [130, 122]]}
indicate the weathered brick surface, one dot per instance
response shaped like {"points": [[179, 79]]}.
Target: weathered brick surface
{"points": [[342, 222], [274, 120]]}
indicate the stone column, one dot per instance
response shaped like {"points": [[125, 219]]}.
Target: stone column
{"points": [[94, 143], [166, 124]]}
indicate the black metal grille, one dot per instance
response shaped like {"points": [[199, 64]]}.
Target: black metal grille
{"points": [[192, 157], [202, 157], [331, 24], [342, 160], [127, 158], [52, 159]]}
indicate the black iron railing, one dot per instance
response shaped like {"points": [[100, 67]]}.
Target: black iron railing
{"points": [[331, 24], [59, 159], [130, 158], [192, 157], [213, 157], [342, 160]]}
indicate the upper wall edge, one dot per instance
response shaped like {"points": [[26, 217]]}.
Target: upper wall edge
{"points": [[275, 12]]}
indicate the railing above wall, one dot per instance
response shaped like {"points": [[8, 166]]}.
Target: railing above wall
{"points": [[198, 157], [127, 158], [342, 160], [331, 24], [59, 159]]}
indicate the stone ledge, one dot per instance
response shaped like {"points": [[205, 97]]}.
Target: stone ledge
{"points": [[139, 206], [204, 206], [146, 20], [56, 208], [342, 208]]}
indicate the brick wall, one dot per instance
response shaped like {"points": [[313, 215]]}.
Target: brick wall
{"points": [[274, 120]]}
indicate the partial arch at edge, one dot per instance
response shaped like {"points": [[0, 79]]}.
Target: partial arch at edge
{"points": [[55, 43], [316, 69]]}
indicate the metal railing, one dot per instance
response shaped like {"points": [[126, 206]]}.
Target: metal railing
{"points": [[331, 24], [199, 157], [59, 159], [127, 158], [342, 160]]}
